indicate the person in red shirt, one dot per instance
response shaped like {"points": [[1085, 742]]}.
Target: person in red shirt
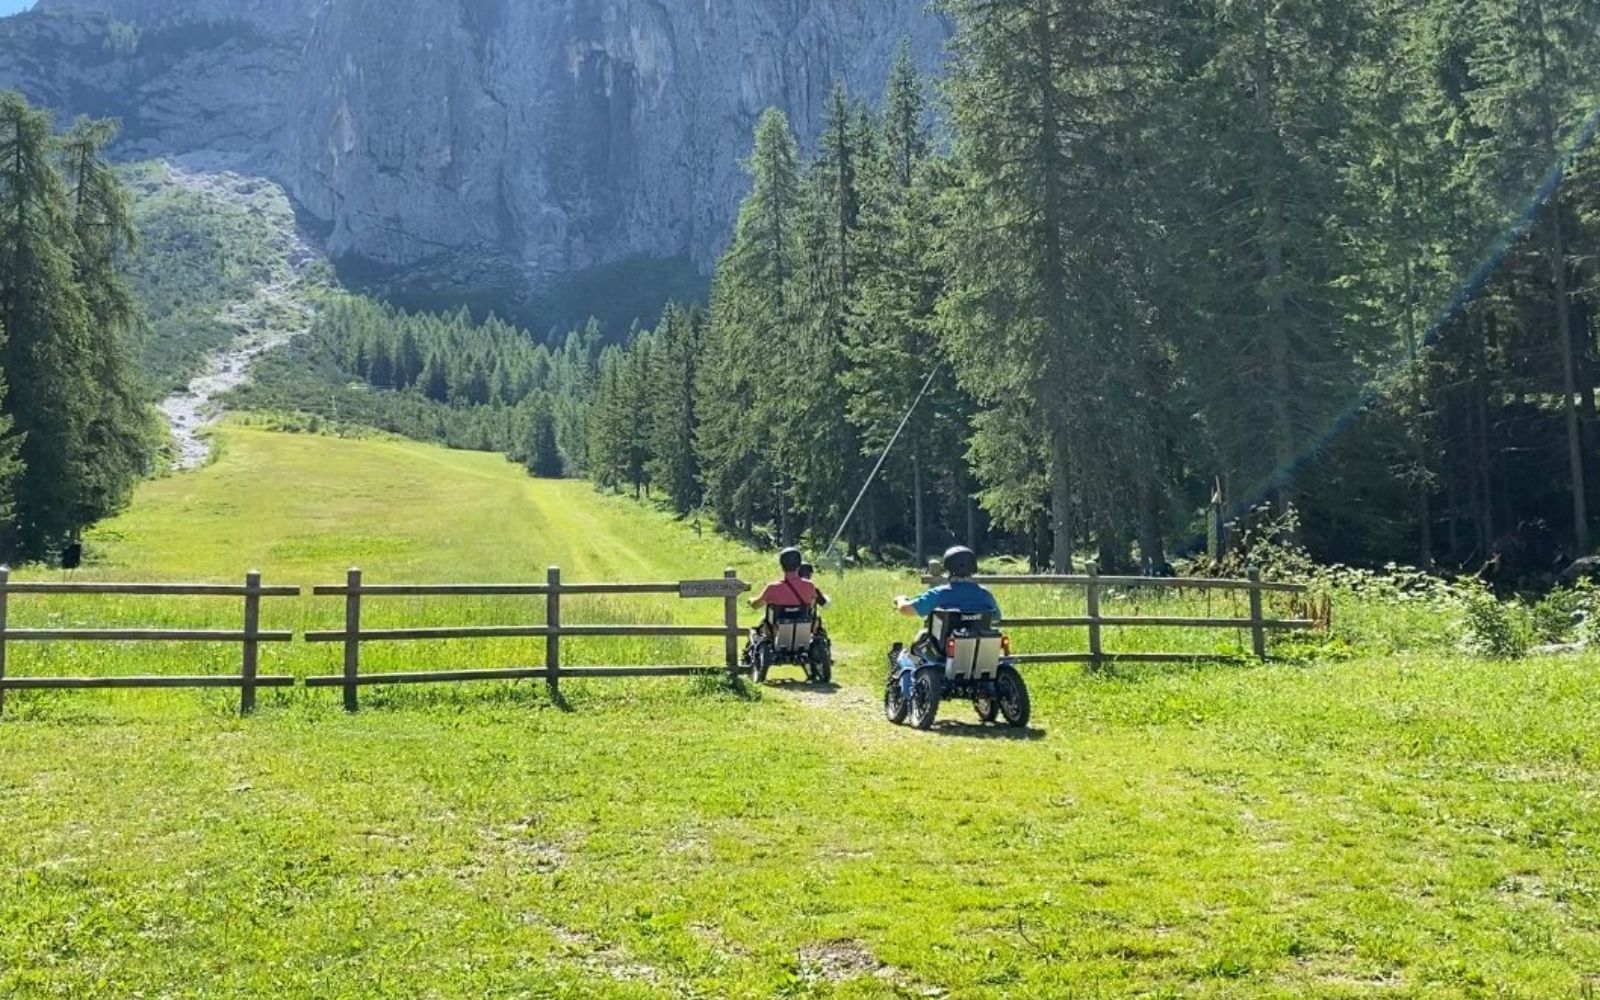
{"points": [[792, 590]]}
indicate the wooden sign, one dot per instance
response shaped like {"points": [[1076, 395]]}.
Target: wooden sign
{"points": [[712, 588]]}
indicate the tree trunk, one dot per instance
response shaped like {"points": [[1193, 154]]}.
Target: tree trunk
{"points": [[1452, 525], [1584, 330], [1152, 547], [1557, 248], [1569, 382], [783, 518], [1276, 329], [1483, 496], [916, 504], [1061, 505], [1109, 551], [1419, 445]]}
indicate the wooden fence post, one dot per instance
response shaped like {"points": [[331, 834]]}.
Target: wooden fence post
{"points": [[552, 639], [252, 648], [1096, 653], [1258, 633], [730, 621], [5, 583], [352, 639]]}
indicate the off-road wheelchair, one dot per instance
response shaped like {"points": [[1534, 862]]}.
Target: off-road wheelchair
{"points": [[791, 636], [960, 655]]}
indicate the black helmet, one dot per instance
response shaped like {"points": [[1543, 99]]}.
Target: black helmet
{"points": [[790, 560], [961, 561]]}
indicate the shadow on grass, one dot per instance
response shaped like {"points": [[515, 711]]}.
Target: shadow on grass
{"points": [[782, 684], [978, 731], [737, 686]]}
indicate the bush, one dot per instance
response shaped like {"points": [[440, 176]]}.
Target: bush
{"points": [[1493, 629], [1556, 618]]}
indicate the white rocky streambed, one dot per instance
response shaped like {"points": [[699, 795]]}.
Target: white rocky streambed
{"points": [[275, 313]]}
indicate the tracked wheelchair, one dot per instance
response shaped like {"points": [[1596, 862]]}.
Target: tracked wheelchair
{"points": [[959, 655]]}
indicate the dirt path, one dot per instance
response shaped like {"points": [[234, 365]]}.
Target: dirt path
{"points": [[277, 312]]}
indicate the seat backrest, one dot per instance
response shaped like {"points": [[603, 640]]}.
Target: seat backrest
{"points": [[970, 641], [792, 627]]}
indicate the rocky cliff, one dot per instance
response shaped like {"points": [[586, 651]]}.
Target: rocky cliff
{"points": [[475, 142]]}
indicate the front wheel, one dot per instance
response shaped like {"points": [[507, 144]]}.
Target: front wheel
{"points": [[987, 707], [895, 704], [761, 662], [1012, 694], [925, 690]]}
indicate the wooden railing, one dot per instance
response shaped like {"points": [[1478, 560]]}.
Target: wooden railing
{"points": [[249, 638], [1095, 586], [553, 630]]}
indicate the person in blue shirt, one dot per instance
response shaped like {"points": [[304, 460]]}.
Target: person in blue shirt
{"points": [[960, 594]]}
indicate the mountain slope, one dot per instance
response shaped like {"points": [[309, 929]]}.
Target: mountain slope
{"points": [[502, 148]]}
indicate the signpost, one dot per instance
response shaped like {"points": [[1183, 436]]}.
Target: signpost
{"points": [[712, 588]]}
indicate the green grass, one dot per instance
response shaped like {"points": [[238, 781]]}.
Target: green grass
{"points": [[1415, 825]]}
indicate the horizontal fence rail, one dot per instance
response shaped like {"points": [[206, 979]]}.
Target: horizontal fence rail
{"points": [[553, 630], [1094, 586], [249, 638]]}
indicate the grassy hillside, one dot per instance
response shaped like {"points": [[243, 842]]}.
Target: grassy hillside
{"points": [[1409, 826]]}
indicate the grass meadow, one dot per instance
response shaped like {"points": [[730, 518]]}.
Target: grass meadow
{"points": [[1394, 820]]}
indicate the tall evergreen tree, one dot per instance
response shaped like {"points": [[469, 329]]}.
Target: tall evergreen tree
{"points": [[753, 302], [47, 355], [1534, 63], [673, 412], [118, 439]]}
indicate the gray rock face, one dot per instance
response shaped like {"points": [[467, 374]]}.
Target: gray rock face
{"points": [[570, 133], [219, 88], [273, 16], [539, 137]]}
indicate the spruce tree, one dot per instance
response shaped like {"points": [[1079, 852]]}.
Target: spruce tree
{"points": [[673, 412], [1534, 62], [47, 355], [119, 439], [751, 339]]}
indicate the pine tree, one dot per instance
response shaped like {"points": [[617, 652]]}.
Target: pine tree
{"points": [[10, 459], [120, 434], [905, 127], [1535, 64], [541, 456], [47, 355], [673, 413], [1039, 298], [807, 416], [752, 333], [890, 327]]}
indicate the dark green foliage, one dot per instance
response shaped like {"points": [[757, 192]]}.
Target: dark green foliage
{"points": [[76, 417], [676, 360]]}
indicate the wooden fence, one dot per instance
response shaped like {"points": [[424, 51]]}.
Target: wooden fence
{"points": [[1095, 587], [553, 630], [249, 638]]}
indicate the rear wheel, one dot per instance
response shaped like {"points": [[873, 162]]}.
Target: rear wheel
{"points": [[1012, 695], [925, 690], [820, 665]]}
